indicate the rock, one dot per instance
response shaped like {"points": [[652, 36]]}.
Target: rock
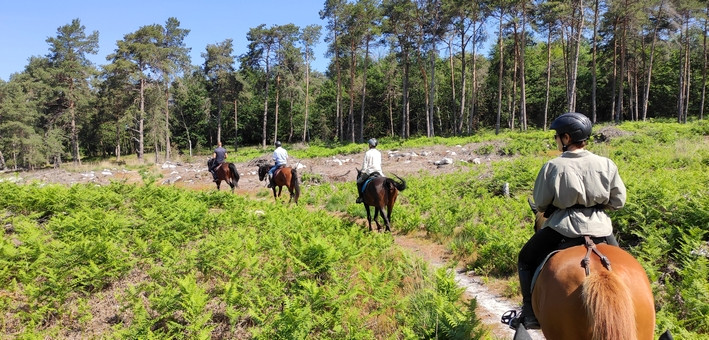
{"points": [[444, 161]]}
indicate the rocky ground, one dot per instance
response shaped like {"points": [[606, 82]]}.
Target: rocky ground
{"points": [[433, 160]]}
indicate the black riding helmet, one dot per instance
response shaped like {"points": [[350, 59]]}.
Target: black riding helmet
{"points": [[577, 125], [278, 144]]}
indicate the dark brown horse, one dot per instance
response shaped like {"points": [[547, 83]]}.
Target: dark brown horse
{"points": [[612, 302], [285, 176], [380, 193], [227, 172]]}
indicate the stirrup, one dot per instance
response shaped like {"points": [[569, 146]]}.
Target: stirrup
{"points": [[359, 200], [508, 316]]}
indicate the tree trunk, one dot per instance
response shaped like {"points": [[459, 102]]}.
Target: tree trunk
{"points": [[473, 97], [499, 79], [277, 105], [432, 88], [364, 91], [167, 120], [621, 74], [453, 101], [614, 86], [290, 120], [236, 126], [704, 65], [265, 104], [74, 134], [2, 161], [522, 87], [118, 142], [646, 92], [353, 66], [307, 96], [594, 81], [405, 99], [688, 72], [141, 118], [575, 60], [155, 146], [338, 114], [391, 113], [515, 74], [219, 115], [429, 115], [548, 84]]}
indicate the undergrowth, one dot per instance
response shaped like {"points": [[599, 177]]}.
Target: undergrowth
{"points": [[665, 223]]}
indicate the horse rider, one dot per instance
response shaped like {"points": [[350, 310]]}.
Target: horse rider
{"points": [[574, 191], [218, 157], [280, 159], [371, 166]]}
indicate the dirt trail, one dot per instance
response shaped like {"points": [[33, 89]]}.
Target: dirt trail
{"points": [[433, 160]]}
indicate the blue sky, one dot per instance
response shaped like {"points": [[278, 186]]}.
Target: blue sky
{"points": [[25, 25]]}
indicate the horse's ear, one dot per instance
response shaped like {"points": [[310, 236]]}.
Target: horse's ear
{"points": [[532, 206]]}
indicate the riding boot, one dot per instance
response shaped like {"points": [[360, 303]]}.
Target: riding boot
{"points": [[610, 240], [359, 199], [526, 317], [270, 181], [214, 175]]}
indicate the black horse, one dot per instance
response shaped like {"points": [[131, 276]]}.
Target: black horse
{"points": [[380, 192], [226, 172]]}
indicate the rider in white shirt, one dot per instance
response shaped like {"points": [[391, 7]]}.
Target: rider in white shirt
{"points": [[371, 165], [280, 159]]}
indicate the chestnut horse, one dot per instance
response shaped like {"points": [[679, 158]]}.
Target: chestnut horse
{"points": [[380, 192], [610, 303], [227, 172], [285, 176]]}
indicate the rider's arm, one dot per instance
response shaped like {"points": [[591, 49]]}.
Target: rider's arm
{"points": [[543, 193], [365, 163], [617, 189]]}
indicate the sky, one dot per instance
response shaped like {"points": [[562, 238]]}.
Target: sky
{"points": [[25, 25]]}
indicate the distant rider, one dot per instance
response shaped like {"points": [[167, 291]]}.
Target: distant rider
{"points": [[280, 159], [371, 166], [218, 157]]}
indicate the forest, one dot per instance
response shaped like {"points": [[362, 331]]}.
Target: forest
{"points": [[614, 61]]}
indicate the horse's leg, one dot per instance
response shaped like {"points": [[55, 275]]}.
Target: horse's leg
{"points": [[231, 184], [274, 193], [369, 216], [378, 212], [385, 218], [390, 207]]}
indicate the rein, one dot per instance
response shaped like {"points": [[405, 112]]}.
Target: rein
{"points": [[591, 246]]}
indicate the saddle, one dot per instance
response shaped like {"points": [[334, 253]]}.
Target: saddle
{"points": [[278, 169], [365, 179], [590, 244]]}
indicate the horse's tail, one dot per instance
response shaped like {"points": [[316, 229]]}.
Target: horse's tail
{"points": [[234, 174], [294, 184], [609, 306], [398, 185]]}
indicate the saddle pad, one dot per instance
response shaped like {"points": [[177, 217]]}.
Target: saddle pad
{"points": [[540, 267], [364, 186]]}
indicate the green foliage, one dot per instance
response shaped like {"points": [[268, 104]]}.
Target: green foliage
{"points": [[185, 264]]}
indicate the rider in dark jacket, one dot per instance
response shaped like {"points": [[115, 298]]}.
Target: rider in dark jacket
{"points": [[218, 157]]}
